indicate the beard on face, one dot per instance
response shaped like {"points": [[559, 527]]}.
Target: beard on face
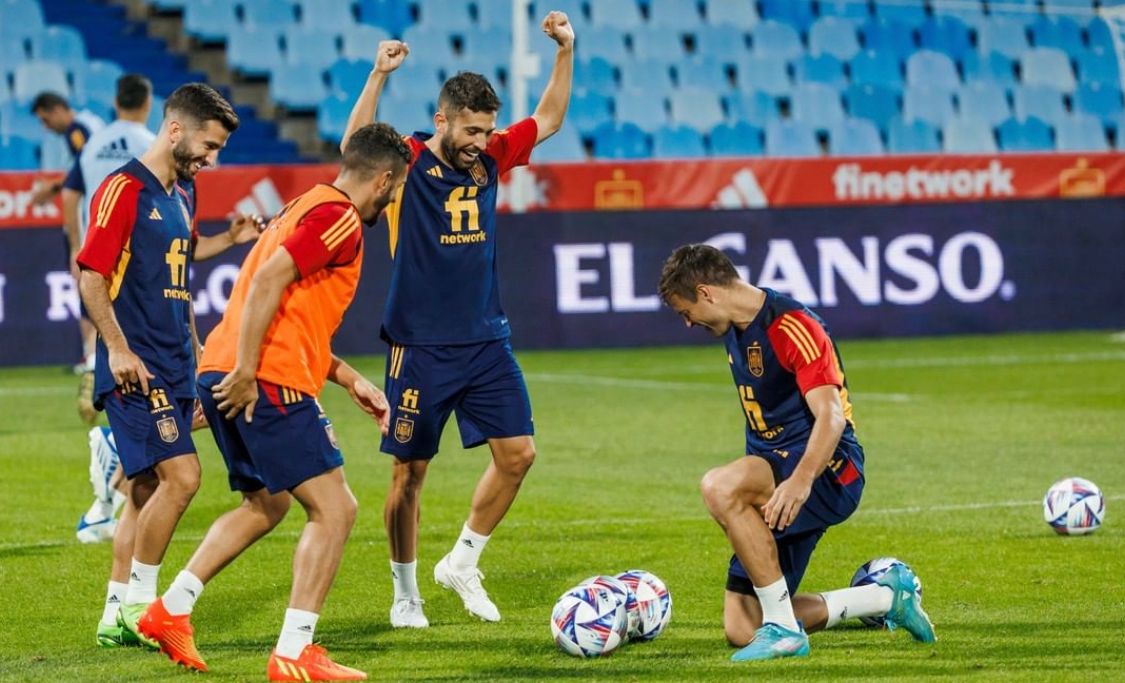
{"points": [[453, 153], [181, 154], [378, 204]]}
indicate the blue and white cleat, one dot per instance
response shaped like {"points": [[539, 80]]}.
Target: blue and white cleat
{"points": [[906, 608], [103, 463], [772, 641], [95, 530]]}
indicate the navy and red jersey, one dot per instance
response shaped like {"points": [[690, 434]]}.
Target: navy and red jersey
{"points": [[445, 288], [140, 239], [783, 354]]}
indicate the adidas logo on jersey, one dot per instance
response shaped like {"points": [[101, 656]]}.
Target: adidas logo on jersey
{"points": [[434, 171], [154, 215], [118, 149]]}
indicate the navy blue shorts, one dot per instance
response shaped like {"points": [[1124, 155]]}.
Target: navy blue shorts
{"points": [[834, 497], [481, 383], [149, 430], [289, 441]]}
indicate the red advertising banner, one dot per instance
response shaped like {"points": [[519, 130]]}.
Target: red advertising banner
{"points": [[684, 184]]}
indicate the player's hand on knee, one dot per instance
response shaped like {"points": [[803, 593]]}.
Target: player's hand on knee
{"points": [[129, 370], [781, 509], [558, 27], [390, 55], [238, 392]]}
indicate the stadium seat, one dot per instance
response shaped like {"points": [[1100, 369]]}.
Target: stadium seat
{"points": [[450, 16], [407, 114], [61, 44], [267, 15], [873, 102], [1097, 65], [18, 154], [96, 79], [620, 141], [418, 80], [596, 74], [658, 43], [298, 86], [1040, 101], [876, 68], [20, 13], [823, 68], [326, 15], [945, 34], [674, 14], [1102, 101], [588, 110], [576, 11], [361, 41], [985, 101], [607, 42], [565, 145], [13, 51], [739, 13], [912, 137], [855, 137], [1047, 66], [253, 52], [724, 42], [736, 139], [620, 14], [1023, 12], [495, 15], [751, 106], [683, 142], [926, 67], [817, 105], [992, 66], [653, 74], [1080, 133], [156, 114], [1004, 35], [332, 117], [888, 36], [1099, 34], [34, 77], [210, 21], [968, 136], [1079, 11], [437, 45], [929, 103], [311, 47], [348, 76], [641, 109], [796, 13], [17, 121], [696, 106], [703, 73], [971, 12], [1058, 31], [789, 138], [393, 16], [853, 11], [834, 36], [912, 14], [1028, 135], [775, 39], [768, 74]]}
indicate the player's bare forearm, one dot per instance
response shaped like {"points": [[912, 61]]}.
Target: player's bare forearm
{"points": [[388, 57], [210, 246], [196, 347], [551, 111], [70, 202], [339, 372], [262, 302], [95, 295], [828, 426]]}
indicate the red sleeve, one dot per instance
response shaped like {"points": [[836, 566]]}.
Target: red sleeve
{"points": [[112, 215], [326, 236], [415, 146], [803, 348], [512, 146]]}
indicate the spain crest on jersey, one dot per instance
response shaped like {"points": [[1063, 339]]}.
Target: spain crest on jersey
{"points": [[404, 430], [166, 427], [479, 173], [754, 361]]}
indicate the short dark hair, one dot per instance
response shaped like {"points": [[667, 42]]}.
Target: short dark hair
{"points": [[133, 90], [468, 90], [202, 103], [374, 148], [48, 100], [692, 265]]}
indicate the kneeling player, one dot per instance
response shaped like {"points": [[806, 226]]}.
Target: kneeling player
{"points": [[803, 471]]}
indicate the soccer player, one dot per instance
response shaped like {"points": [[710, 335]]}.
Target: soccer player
{"points": [[76, 127], [448, 336], [263, 368], [803, 469], [135, 286]]}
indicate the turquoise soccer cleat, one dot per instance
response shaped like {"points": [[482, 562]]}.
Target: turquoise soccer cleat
{"points": [[772, 641], [906, 608]]}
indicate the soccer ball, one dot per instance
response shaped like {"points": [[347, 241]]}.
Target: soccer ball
{"points": [[871, 572], [1074, 506], [589, 621], [649, 604]]}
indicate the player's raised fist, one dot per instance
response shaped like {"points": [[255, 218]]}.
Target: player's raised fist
{"points": [[558, 27], [390, 55]]}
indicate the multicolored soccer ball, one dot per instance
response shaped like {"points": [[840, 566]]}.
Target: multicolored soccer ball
{"points": [[649, 604], [871, 572], [1074, 506], [589, 621]]}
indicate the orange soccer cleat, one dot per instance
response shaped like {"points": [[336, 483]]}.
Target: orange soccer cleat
{"points": [[174, 634], [312, 665]]}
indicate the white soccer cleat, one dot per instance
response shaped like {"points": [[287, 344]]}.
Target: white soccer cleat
{"points": [[407, 613], [95, 531], [466, 583], [103, 463]]}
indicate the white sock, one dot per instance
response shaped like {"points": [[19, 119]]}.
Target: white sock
{"points": [[861, 601], [405, 576], [296, 632], [114, 596], [466, 551], [181, 595], [90, 361], [142, 583], [99, 510], [777, 607]]}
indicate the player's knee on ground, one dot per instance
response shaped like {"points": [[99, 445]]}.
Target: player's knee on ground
{"points": [[740, 619]]}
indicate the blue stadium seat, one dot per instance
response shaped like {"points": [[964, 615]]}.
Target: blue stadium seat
{"points": [[576, 10], [1023, 12], [683, 142], [326, 15], [674, 14], [834, 36], [451, 16], [1080, 11], [595, 74], [852, 10], [298, 86], [1103, 101], [985, 101], [736, 139], [1080, 133], [1099, 34], [653, 74], [739, 13], [768, 74], [97, 79], [434, 46], [789, 138], [876, 68], [393, 16], [211, 21], [495, 15], [1047, 66], [34, 77], [18, 154], [332, 117], [13, 51], [697, 107], [926, 67], [912, 137], [1028, 135], [407, 114], [21, 13], [61, 44], [565, 145], [817, 105], [607, 42], [855, 137], [1040, 101], [658, 43], [156, 114], [17, 121], [1004, 35], [822, 68], [945, 34], [361, 40], [101, 108], [620, 141], [723, 42], [912, 14], [253, 52], [968, 136], [703, 73], [929, 103], [991, 67], [971, 12], [1057, 31], [621, 14], [348, 76], [888, 36], [873, 102], [796, 13], [641, 109], [775, 39], [312, 47], [267, 15], [418, 80], [1097, 65], [751, 106]]}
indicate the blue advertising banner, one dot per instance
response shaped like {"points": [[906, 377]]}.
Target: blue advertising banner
{"points": [[589, 279]]}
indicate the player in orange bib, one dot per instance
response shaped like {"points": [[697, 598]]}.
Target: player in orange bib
{"points": [[263, 367]]}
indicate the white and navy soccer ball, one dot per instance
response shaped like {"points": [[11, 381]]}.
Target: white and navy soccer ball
{"points": [[1074, 506], [871, 572], [649, 604], [589, 621]]}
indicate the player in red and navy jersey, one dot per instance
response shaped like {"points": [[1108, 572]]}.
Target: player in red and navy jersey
{"points": [[135, 286], [803, 469], [448, 335]]}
